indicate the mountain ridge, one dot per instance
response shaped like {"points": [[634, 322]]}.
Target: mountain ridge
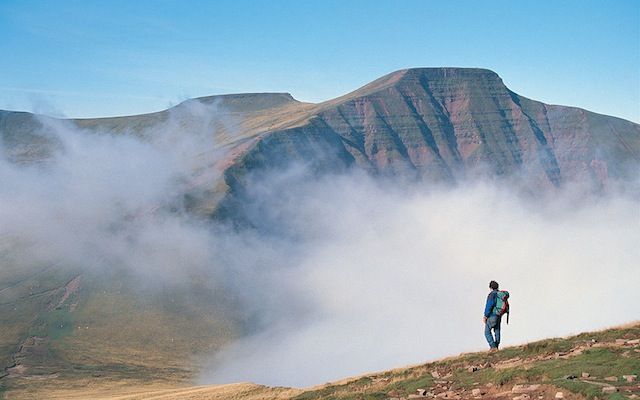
{"points": [[441, 125], [431, 124]]}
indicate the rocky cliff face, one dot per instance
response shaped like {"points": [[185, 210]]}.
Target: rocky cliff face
{"points": [[440, 122], [445, 124], [436, 122]]}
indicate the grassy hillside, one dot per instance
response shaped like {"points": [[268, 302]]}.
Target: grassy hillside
{"points": [[58, 327], [554, 364], [587, 366]]}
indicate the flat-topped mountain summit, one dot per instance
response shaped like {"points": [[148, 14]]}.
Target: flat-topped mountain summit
{"points": [[438, 124]]}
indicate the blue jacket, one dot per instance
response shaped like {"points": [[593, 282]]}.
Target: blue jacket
{"points": [[491, 303]]}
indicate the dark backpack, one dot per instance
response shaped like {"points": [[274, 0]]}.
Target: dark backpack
{"points": [[502, 304]]}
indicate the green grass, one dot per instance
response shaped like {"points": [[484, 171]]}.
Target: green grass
{"points": [[54, 324], [409, 386], [599, 363], [332, 395]]}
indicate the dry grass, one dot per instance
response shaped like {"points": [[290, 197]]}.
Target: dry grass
{"points": [[113, 390]]}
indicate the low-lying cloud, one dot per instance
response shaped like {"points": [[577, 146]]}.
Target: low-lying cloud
{"points": [[353, 275], [100, 199], [394, 276]]}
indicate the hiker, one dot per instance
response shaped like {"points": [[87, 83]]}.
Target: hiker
{"points": [[497, 305]]}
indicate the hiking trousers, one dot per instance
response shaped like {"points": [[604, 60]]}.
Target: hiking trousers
{"points": [[493, 324]]}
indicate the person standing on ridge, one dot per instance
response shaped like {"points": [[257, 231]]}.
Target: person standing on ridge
{"points": [[493, 315]]}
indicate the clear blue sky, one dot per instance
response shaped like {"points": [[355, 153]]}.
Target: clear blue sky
{"points": [[99, 58]]}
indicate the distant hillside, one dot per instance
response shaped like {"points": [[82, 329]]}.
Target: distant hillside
{"points": [[603, 365]]}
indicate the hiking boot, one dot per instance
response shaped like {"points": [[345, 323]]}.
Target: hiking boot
{"points": [[493, 350]]}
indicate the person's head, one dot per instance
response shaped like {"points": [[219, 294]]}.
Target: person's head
{"points": [[493, 285]]}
